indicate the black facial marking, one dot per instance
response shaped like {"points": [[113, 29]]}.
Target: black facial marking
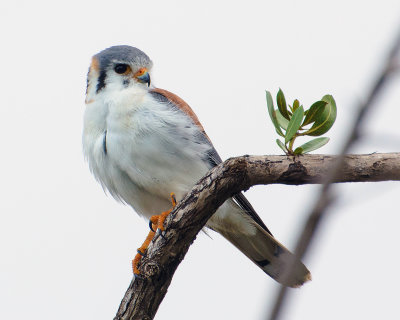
{"points": [[125, 83], [87, 81], [263, 263], [105, 142], [102, 81]]}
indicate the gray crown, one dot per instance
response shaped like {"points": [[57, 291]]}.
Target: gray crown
{"points": [[123, 54]]}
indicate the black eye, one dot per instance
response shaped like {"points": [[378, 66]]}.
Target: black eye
{"points": [[121, 68]]}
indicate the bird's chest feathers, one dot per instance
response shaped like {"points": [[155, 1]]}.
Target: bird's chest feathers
{"points": [[147, 143], [122, 107], [109, 127]]}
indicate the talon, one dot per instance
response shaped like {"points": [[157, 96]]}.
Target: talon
{"points": [[141, 252], [173, 199], [164, 215], [155, 221], [161, 233], [161, 219], [138, 276], [151, 226]]}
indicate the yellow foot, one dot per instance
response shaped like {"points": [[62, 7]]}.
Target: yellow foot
{"points": [[164, 215], [142, 250], [157, 220]]}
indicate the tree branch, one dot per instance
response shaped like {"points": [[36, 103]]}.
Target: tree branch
{"points": [[164, 254], [325, 197]]}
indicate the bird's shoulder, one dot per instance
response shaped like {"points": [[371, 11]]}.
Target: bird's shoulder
{"points": [[165, 96]]}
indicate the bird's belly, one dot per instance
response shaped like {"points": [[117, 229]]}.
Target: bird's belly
{"points": [[143, 171]]}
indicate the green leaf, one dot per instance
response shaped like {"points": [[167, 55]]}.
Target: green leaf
{"points": [[272, 113], [294, 124], [281, 145], [314, 111], [280, 99], [296, 104], [278, 132], [283, 122], [311, 145], [325, 119]]}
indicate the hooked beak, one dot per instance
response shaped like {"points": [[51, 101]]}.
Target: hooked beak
{"points": [[143, 76]]}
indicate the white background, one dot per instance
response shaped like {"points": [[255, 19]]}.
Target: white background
{"points": [[66, 247]]}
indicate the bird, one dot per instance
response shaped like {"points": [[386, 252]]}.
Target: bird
{"points": [[147, 148]]}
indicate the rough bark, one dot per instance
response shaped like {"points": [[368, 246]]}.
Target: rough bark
{"points": [[164, 254]]}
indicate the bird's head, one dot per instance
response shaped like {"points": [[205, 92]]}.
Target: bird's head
{"points": [[116, 68]]}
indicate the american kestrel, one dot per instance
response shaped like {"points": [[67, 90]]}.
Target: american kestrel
{"points": [[144, 143]]}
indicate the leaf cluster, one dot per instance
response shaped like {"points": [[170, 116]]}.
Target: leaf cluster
{"points": [[292, 121]]}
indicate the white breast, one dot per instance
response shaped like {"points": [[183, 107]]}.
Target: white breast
{"points": [[141, 150]]}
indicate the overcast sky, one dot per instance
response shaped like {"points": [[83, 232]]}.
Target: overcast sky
{"points": [[66, 247]]}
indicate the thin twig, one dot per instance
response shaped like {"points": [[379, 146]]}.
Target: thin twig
{"points": [[326, 198]]}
